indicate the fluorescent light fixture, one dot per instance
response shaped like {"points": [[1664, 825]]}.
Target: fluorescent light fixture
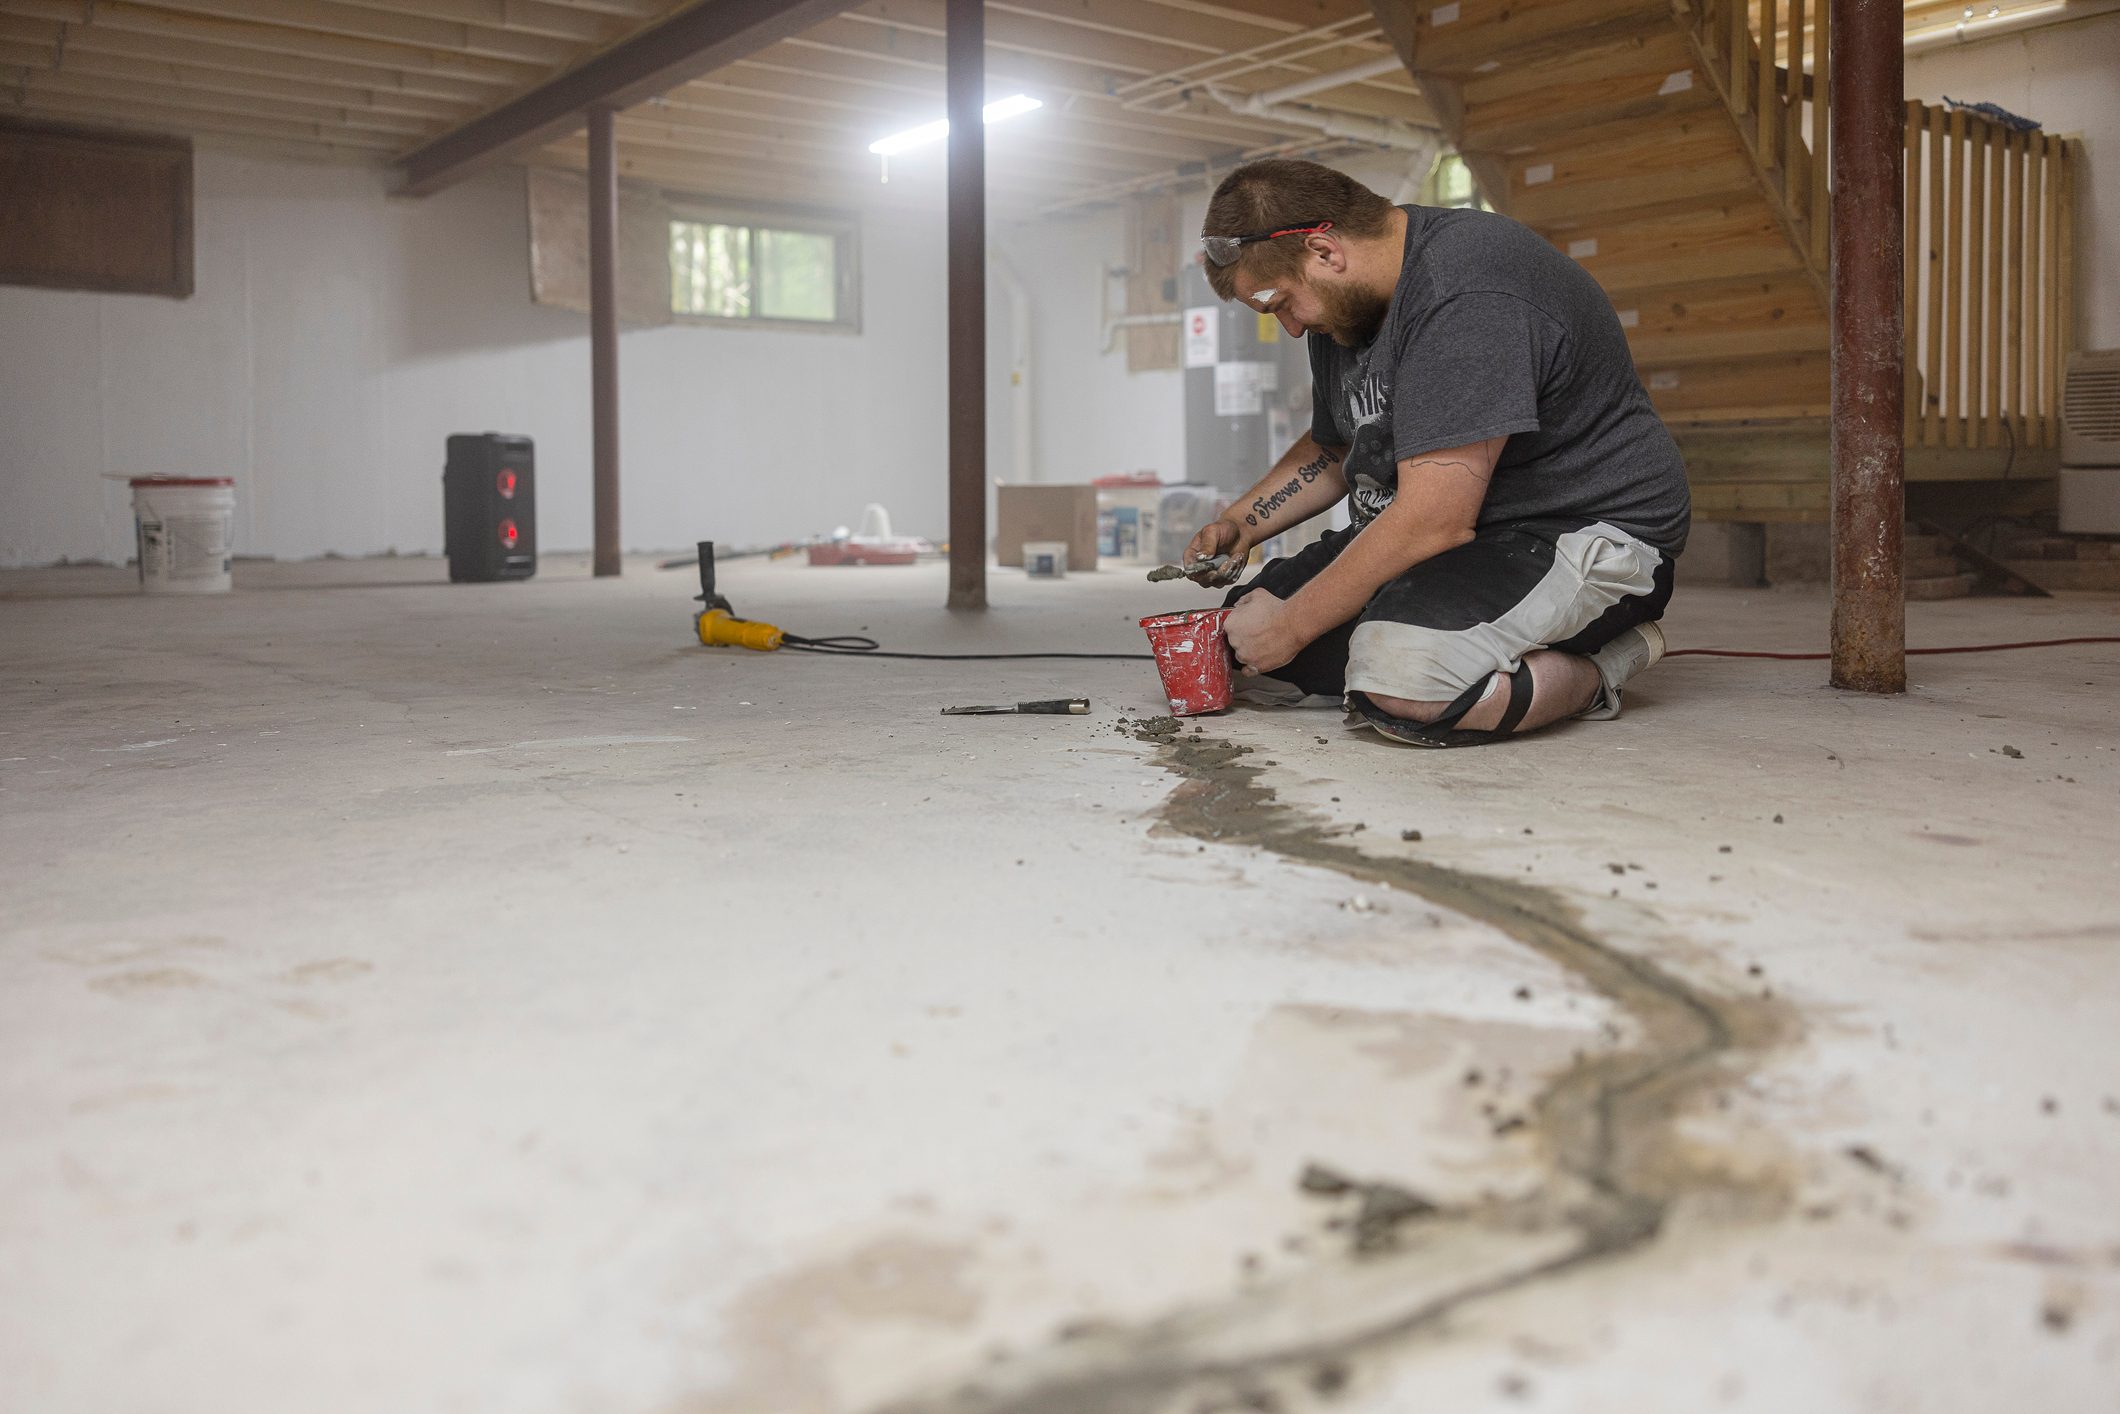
{"points": [[1002, 108], [912, 137], [997, 111]]}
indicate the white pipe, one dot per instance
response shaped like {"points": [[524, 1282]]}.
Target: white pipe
{"points": [[1384, 132], [1980, 27], [1303, 88], [1193, 73], [1019, 391], [1112, 326]]}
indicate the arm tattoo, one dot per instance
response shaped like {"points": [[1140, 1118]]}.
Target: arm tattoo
{"points": [[1265, 506], [1314, 468]]}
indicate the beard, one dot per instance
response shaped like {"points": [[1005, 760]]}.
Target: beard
{"points": [[1352, 317]]}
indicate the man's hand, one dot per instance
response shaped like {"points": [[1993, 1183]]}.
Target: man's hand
{"points": [[1217, 537], [1262, 633]]}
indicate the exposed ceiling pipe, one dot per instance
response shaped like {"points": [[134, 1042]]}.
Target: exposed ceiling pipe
{"points": [[1192, 174], [1318, 83], [1979, 27], [1357, 127], [1200, 70]]}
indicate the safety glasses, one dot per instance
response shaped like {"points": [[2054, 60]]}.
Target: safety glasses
{"points": [[1224, 250]]}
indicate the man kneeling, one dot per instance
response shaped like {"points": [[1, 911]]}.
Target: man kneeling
{"points": [[1517, 503]]}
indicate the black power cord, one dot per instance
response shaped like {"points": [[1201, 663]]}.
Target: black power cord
{"points": [[850, 644], [854, 644], [861, 646]]}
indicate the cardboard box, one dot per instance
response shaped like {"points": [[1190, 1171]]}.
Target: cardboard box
{"points": [[1066, 513]]}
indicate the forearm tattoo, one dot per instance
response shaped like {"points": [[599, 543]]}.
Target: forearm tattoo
{"points": [[1308, 472]]}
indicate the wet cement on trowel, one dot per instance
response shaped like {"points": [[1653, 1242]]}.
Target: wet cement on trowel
{"points": [[1607, 1125]]}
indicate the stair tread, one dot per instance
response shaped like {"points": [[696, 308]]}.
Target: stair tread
{"points": [[1602, 125], [1494, 32], [1565, 212]]}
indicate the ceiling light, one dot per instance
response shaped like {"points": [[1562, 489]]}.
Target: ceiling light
{"points": [[997, 111], [911, 137], [1003, 108]]}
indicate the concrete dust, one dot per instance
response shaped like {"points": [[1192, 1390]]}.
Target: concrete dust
{"points": [[1607, 1126], [1159, 731]]}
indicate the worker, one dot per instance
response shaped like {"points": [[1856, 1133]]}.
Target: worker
{"points": [[1517, 504]]}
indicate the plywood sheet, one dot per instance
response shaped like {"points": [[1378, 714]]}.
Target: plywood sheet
{"points": [[94, 210], [1152, 281], [559, 247]]}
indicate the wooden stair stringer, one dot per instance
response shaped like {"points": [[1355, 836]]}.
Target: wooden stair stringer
{"points": [[1589, 121], [1445, 96], [1771, 176]]}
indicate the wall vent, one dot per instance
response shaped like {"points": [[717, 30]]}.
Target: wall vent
{"points": [[2090, 410]]}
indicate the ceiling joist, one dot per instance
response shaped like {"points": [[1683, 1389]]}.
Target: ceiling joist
{"points": [[651, 62], [1133, 89]]}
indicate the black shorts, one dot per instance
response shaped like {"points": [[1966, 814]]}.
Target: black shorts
{"points": [[1453, 619]]}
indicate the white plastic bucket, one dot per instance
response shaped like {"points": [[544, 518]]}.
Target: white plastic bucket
{"points": [[185, 530]]}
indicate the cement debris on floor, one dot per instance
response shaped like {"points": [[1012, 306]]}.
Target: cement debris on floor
{"points": [[430, 997]]}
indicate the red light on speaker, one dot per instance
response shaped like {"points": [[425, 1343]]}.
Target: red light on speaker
{"points": [[505, 484], [509, 534]]}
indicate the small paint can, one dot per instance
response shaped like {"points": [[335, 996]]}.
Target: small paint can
{"points": [[1045, 559], [1192, 654]]}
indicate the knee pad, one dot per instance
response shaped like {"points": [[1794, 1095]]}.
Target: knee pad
{"points": [[1444, 730]]}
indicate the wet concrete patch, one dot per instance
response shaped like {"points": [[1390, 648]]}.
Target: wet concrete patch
{"points": [[783, 1329]]}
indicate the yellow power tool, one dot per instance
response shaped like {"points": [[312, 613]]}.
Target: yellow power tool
{"points": [[717, 623], [719, 628]]}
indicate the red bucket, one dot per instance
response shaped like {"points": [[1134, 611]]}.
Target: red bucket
{"points": [[1192, 654]]}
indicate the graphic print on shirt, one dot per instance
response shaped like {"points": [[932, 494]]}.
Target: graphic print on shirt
{"points": [[1372, 474]]}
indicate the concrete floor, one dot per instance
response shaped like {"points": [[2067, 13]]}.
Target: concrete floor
{"points": [[478, 998]]}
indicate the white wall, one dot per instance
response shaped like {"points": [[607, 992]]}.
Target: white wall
{"points": [[2068, 77], [338, 335], [1090, 416]]}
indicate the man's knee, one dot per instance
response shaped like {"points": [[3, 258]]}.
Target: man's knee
{"points": [[1489, 708], [1422, 712]]}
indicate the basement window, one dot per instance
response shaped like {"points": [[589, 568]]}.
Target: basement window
{"points": [[764, 271], [1450, 183]]}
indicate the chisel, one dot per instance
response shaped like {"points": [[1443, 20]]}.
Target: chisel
{"points": [[1058, 707]]}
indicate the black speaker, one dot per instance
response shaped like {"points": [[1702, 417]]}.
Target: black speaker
{"points": [[489, 507]]}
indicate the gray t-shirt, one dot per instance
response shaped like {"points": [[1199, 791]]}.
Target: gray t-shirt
{"points": [[1492, 332]]}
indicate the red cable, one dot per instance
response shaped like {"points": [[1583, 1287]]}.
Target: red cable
{"points": [[1911, 652]]}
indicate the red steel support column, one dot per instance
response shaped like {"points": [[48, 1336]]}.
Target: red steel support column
{"points": [[1869, 446], [966, 58], [603, 331]]}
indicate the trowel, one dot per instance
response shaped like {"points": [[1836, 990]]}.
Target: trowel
{"points": [[1214, 566]]}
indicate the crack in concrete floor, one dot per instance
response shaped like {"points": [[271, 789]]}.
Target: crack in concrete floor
{"points": [[1608, 1124]]}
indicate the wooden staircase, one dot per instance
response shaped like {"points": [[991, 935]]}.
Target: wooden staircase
{"points": [[1672, 148]]}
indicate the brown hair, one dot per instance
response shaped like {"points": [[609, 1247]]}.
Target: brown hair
{"points": [[1283, 191]]}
